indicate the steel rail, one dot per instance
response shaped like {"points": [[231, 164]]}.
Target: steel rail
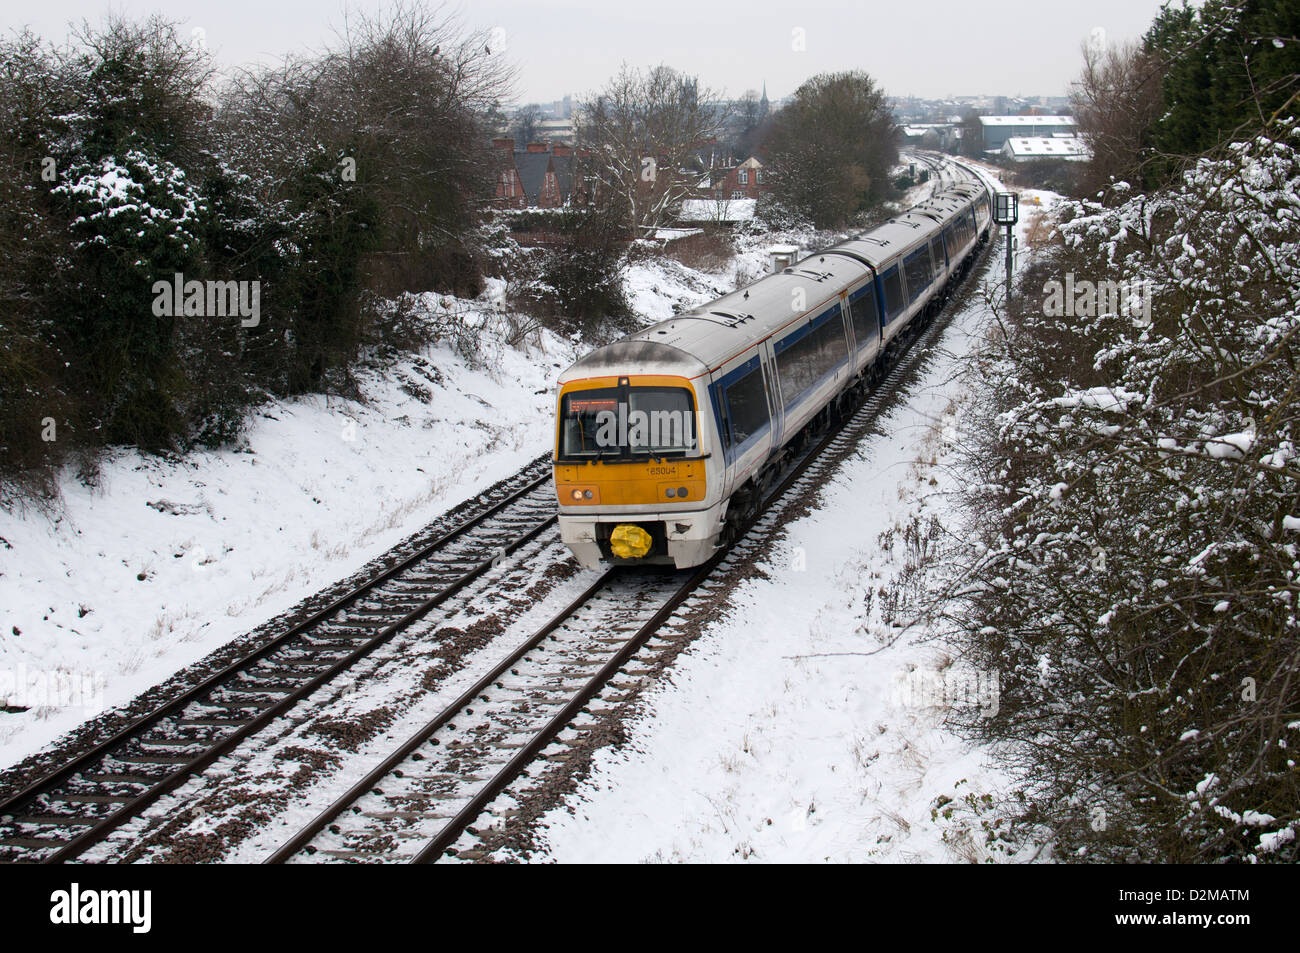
{"points": [[12, 806]]}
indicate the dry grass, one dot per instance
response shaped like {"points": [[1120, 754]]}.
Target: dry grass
{"points": [[710, 251]]}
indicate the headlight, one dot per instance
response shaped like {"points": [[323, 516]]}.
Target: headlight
{"points": [[577, 494]]}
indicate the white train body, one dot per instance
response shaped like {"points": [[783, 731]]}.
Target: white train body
{"points": [[667, 437]]}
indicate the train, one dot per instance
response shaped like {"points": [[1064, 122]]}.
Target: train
{"points": [[668, 439]]}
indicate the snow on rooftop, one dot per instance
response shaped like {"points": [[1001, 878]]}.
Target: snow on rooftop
{"points": [[1064, 147], [668, 234], [712, 210], [1027, 120]]}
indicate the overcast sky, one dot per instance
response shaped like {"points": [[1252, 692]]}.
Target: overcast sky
{"points": [[928, 48]]}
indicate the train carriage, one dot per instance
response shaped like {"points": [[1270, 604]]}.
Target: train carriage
{"points": [[667, 439]]}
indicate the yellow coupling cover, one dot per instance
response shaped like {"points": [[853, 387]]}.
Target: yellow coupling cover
{"points": [[629, 541]]}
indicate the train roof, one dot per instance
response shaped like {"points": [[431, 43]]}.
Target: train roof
{"points": [[695, 342], [647, 356], [902, 232], [715, 332]]}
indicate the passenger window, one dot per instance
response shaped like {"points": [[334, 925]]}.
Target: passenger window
{"points": [[805, 362], [747, 406], [892, 282], [866, 316], [936, 251], [917, 266]]}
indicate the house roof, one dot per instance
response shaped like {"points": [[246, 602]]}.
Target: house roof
{"points": [[532, 172], [532, 167], [564, 174], [1062, 147]]}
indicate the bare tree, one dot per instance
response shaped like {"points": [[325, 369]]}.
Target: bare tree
{"points": [[398, 105], [526, 123], [1116, 102], [752, 123], [971, 143], [642, 130]]}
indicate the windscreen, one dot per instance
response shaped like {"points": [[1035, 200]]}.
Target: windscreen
{"points": [[623, 422]]}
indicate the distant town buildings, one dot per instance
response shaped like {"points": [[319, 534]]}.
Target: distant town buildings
{"points": [[910, 109], [996, 130], [546, 173], [556, 130], [932, 135], [990, 122]]}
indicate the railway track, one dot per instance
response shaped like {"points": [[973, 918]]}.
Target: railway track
{"points": [[421, 801], [67, 811]]}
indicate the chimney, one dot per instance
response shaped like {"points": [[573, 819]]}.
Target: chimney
{"points": [[561, 150], [536, 147], [505, 145]]}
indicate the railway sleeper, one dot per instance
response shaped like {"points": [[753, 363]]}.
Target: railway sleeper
{"points": [[73, 798], [254, 686], [56, 820], [213, 722], [123, 777], [151, 758], [37, 843], [174, 742], [405, 816]]}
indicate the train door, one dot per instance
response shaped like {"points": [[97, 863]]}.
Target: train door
{"points": [[773, 388], [940, 257], [848, 326]]}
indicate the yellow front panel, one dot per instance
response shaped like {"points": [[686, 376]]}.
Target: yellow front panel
{"points": [[630, 484]]}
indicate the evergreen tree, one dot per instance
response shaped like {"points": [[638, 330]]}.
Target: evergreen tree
{"points": [[1230, 67]]}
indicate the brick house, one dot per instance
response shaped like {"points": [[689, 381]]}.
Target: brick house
{"points": [[541, 175], [734, 180]]}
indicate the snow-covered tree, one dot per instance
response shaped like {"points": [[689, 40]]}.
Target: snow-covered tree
{"points": [[1139, 520]]}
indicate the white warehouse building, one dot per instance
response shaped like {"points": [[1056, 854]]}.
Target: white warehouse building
{"points": [[1028, 148], [998, 129]]}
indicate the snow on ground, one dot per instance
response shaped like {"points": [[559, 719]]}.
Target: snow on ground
{"points": [[656, 287], [165, 561]]}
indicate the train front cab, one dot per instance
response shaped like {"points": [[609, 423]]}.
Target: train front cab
{"points": [[635, 478]]}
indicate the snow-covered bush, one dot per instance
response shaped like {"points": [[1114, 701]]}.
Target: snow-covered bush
{"points": [[360, 169], [573, 285], [1138, 523]]}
